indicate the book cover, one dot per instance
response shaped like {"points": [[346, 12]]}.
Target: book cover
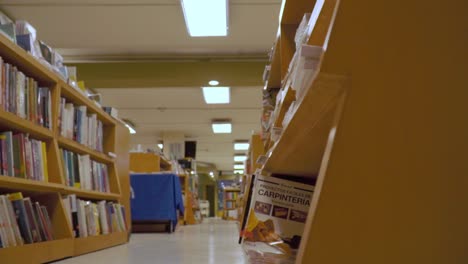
{"points": [[103, 217], [9, 31], [33, 223], [48, 223], [8, 160], [40, 221], [44, 162], [3, 235], [13, 233], [74, 214], [21, 217], [276, 219]]}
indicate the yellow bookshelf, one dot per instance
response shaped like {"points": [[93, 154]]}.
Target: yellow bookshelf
{"points": [[233, 201], [380, 129], [49, 193]]}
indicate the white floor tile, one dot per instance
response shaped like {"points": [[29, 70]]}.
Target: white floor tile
{"points": [[212, 242]]}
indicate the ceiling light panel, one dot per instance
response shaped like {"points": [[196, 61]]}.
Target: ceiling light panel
{"points": [[216, 95], [240, 158], [241, 146], [221, 128], [206, 18]]}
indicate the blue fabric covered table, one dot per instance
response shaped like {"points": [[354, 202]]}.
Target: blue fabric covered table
{"points": [[156, 197]]}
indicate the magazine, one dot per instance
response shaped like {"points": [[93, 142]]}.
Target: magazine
{"points": [[276, 219]]}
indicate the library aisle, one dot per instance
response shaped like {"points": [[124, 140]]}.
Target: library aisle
{"points": [[213, 241]]}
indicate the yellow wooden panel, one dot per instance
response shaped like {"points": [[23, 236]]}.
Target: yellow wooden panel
{"points": [[38, 253], [122, 145], [95, 243], [292, 11], [301, 146], [394, 188], [144, 162], [256, 149]]}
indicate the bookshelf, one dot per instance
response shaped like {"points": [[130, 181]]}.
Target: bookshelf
{"points": [[50, 192], [230, 203], [374, 128]]}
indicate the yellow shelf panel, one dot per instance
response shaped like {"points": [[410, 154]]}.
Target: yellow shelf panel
{"points": [[21, 184], [80, 99], [274, 77], [14, 54], [38, 252], [293, 11], [300, 149], [11, 121], [91, 194], [82, 149], [94, 243]]}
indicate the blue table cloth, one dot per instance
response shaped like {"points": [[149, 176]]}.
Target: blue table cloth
{"points": [[156, 197]]}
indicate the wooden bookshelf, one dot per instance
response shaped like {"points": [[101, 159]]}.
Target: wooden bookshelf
{"points": [[380, 129], [50, 193], [233, 201]]}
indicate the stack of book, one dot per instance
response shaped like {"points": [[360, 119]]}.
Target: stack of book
{"points": [[23, 157], [23, 221], [230, 195], [91, 219], [20, 95], [82, 172], [76, 124]]}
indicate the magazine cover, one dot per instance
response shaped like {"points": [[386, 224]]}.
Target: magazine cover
{"points": [[277, 215]]}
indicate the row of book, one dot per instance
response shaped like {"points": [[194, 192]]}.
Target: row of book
{"points": [[21, 95], [91, 219], [230, 205], [77, 124], [23, 221], [82, 172], [231, 195], [23, 157]]}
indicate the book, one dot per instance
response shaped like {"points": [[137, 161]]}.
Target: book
{"points": [[21, 217], [276, 219], [41, 222], [33, 221]]}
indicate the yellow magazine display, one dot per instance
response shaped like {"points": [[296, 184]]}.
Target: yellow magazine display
{"points": [[276, 220]]}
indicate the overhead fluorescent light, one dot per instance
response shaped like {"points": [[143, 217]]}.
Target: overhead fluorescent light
{"points": [[131, 129], [238, 171], [216, 95], [240, 158], [207, 18], [241, 145], [239, 166], [222, 127]]}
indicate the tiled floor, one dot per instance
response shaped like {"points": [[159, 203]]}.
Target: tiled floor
{"points": [[212, 242]]}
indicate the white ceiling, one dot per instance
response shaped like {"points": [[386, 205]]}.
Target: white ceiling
{"points": [[136, 27], [183, 110], [96, 29]]}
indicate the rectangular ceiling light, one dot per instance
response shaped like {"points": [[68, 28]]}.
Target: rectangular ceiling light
{"points": [[238, 166], [238, 171], [206, 18], [216, 95], [222, 127], [241, 145], [240, 158]]}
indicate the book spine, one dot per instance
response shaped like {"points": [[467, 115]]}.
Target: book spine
{"points": [[40, 221], [20, 212], [33, 221]]}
